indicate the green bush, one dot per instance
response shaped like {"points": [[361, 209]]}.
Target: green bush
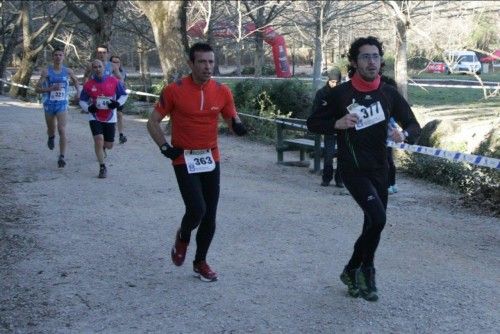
{"points": [[270, 99], [278, 98], [248, 70], [292, 96]]}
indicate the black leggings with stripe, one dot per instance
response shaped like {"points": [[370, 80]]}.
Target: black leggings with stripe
{"points": [[200, 193], [369, 190]]}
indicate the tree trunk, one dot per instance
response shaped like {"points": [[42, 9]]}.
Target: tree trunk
{"points": [[23, 76], [318, 52], [101, 27], [259, 54], [238, 58], [401, 65], [7, 52], [144, 67], [165, 18], [31, 49]]}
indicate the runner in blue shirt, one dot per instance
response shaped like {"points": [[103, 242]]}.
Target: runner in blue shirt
{"points": [[109, 67], [54, 85]]}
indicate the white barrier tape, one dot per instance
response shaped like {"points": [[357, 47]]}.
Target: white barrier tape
{"points": [[435, 152], [453, 86], [456, 80], [257, 117], [291, 123], [450, 155], [276, 120], [128, 91], [16, 84]]}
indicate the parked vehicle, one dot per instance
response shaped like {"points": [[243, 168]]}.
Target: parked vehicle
{"points": [[462, 61]]}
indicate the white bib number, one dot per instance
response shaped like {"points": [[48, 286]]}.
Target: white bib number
{"points": [[102, 102], [199, 161], [368, 116], [58, 95]]}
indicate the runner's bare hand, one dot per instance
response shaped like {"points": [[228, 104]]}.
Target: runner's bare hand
{"points": [[346, 122]]}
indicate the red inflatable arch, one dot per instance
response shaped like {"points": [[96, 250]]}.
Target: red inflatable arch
{"points": [[272, 38]]}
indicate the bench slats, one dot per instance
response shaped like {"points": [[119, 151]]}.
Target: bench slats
{"points": [[303, 145]]}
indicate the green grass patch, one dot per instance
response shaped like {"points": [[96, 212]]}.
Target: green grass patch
{"points": [[437, 96]]}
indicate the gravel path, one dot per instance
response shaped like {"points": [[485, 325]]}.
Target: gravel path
{"points": [[85, 255]]}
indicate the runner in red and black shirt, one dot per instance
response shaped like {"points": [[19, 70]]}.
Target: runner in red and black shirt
{"points": [[358, 112], [100, 97], [194, 104]]}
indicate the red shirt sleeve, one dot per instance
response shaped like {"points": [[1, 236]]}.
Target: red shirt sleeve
{"points": [[229, 110], [164, 104]]}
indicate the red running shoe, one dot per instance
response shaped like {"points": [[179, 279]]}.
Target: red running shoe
{"points": [[204, 272], [179, 250]]}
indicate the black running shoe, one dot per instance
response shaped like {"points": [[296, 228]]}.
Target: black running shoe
{"points": [[50, 143], [348, 277], [122, 139], [61, 163], [366, 282], [102, 172]]}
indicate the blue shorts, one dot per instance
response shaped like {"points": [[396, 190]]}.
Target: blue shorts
{"points": [[54, 109]]}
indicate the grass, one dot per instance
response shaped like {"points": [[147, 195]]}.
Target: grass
{"points": [[437, 96]]}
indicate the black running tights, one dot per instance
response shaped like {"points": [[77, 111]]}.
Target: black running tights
{"points": [[200, 193], [369, 190]]}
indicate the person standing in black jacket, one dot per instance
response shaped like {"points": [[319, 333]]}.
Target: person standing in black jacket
{"points": [[334, 78], [359, 110]]}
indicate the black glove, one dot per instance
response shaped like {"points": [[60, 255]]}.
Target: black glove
{"points": [[113, 104], [239, 128], [92, 109], [171, 152]]}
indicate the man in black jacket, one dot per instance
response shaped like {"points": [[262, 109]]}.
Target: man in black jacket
{"points": [[334, 78], [358, 111]]}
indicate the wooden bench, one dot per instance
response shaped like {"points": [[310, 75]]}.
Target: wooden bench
{"points": [[305, 142]]}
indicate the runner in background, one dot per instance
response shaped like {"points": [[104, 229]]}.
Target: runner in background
{"points": [[115, 60], [54, 85], [100, 97], [392, 187], [334, 78], [109, 68], [194, 104]]}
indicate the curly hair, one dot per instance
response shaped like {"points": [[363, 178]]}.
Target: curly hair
{"points": [[353, 53]]}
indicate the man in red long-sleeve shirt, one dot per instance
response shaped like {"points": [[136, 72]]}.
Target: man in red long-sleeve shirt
{"points": [[194, 104]]}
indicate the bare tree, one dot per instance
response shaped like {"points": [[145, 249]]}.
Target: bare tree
{"points": [[408, 16], [319, 25], [11, 23], [100, 26], [130, 23], [33, 43]]}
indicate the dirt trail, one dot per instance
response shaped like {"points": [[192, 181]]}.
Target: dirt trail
{"points": [[85, 255]]}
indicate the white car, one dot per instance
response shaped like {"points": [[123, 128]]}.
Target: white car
{"points": [[462, 62]]}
